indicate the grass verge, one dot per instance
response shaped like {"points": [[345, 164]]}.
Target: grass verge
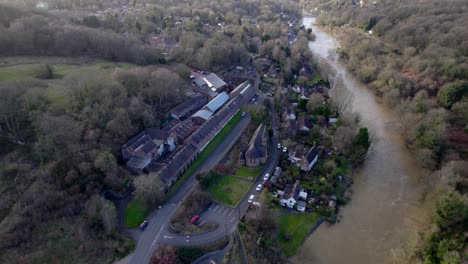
{"points": [[135, 213], [229, 190], [205, 154], [297, 226]]}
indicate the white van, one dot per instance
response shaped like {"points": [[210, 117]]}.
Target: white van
{"points": [[251, 198]]}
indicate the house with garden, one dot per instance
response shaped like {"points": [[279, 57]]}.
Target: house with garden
{"points": [[293, 194], [309, 159]]}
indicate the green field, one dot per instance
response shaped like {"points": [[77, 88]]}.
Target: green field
{"points": [[205, 154], [135, 213], [24, 68], [229, 190], [298, 227], [246, 172]]}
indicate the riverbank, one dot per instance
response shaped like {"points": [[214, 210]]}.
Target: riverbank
{"points": [[390, 198]]}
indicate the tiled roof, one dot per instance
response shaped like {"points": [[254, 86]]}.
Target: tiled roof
{"points": [[183, 129], [292, 191], [178, 162], [256, 148]]}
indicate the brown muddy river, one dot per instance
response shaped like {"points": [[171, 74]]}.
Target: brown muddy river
{"points": [[388, 201]]}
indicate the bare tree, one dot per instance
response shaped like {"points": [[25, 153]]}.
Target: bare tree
{"points": [[341, 97], [150, 189], [315, 101], [12, 114]]}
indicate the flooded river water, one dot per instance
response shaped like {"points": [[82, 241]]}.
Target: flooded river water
{"points": [[389, 195]]}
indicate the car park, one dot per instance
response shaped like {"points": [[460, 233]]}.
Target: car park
{"points": [[259, 187], [251, 198], [266, 177], [143, 225]]}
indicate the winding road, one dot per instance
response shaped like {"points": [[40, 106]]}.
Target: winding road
{"points": [[157, 232]]}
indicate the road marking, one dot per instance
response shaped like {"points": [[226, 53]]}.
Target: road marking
{"points": [[211, 207], [187, 240], [231, 213], [167, 236], [227, 209], [233, 219], [187, 236], [157, 236], [202, 223], [216, 208]]}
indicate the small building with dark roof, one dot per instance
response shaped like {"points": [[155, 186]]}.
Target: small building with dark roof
{"points": [[303, 123], [301, 206], [309, 159]]}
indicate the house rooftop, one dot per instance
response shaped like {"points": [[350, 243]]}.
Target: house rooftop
{"points": [[313, 152], [292, 191], [304, 121]]}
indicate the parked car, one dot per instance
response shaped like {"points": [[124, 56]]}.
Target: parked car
{"points": [[285, 149], [259, 187], [243, 114], [194, 219], [266, 177], [279, 146], [143, 225], [251, 198]]}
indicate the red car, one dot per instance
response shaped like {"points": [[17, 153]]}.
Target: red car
{"points": [[194, 219]]}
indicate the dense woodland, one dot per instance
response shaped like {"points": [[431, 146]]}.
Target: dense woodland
{"points": [[414, 54], [60, 135]]}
